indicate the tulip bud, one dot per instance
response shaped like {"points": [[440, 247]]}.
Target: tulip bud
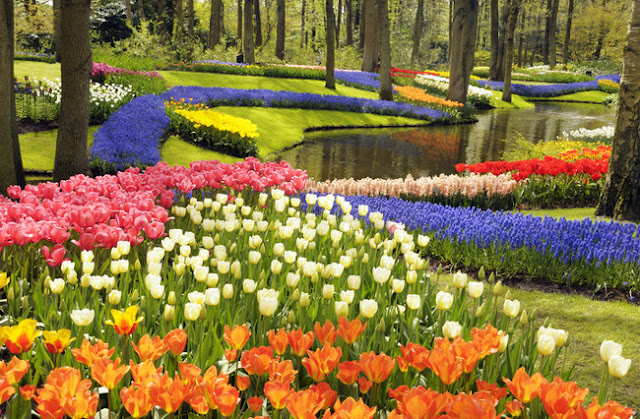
{"points": [[618, 366], [504, 341], [492, 278], [381, 328], [11, 295], [412, 277], [546, 345], [497, 288], [169, 313], [481, 310], [451, 329], [524, 319], [341, 309], [304, 300], [481, 274], [114, 297], [444, 300], [368, 308], [507, 295], [291, 318], [135, 296], [609, 349], [137, 265], [511, 308]]}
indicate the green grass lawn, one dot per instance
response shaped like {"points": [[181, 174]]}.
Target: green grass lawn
{"points": [[568, 213], [589, 96], [36, 69], [517, 102], [38, 149]]}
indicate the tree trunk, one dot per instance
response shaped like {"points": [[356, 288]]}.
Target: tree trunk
{"points": [[621, 195], [258, 23], [161, 24], [494, 30], [56, 28], [240, 13], [141, 10], [71, 145], [521, 39], [338, 23], [370, 51], [384, 37], [330, 38], [514, 9], [11, 172], [527, 44], [247, 41], [178, 31], [498, 74], [214, 23], [567, 35], [303, 33], [280, 27], [451, 3], [128, 13], [190, 20], [536, 40], [601, 35], [417, 31], [545, 45], [463, 31], [362, 27], [553, 23], [349, 22]]}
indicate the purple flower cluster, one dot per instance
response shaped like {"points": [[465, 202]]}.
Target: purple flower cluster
{"points": [[104, 69], [581, 251], [130, 137], [359, 79], [218, 96], [549, 90]]}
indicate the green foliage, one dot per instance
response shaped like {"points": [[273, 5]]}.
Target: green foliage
{"points": [[140, 85], [562, 191], [522, 149], [38, 58], [109, 23], [257, 70], [143, 51], [124, 59], [34, 26], [537, 75], [598, 67]]}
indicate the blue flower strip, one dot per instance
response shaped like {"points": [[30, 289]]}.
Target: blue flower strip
{"points": [[549, 90]]}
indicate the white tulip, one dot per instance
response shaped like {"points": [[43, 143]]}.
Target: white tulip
{"points": [[212, 296], [192, 311], [82, 317], [451, 329], [413, 301], [609, 349], [444, 300], [619, 366], [460, 280], [249, 286], [511, 308], [368, 308], [475, 288]]}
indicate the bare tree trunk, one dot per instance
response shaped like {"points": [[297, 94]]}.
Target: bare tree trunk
{"points": [[303, 33], [498, 73], [363, 24], [547, 26], [249, 56], [601, 35], [567, 34], [128, 13], [280, 28], [11, 172], [370, 51], [463, 31], [330, 38], [621, 195], [349, 22], [338, 23], [214, 23], [553, 24], [521, 38], [258, 23], [536, 40], [141, 11], [494, 30], [240, 13], [56, 27], [190, 20], [514, 9], [528, 43], [451, 6], [417, 31], [386, 88], [178, 31], [71, 145]]}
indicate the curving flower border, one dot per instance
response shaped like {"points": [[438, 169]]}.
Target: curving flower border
{"points": [[131, 137]]}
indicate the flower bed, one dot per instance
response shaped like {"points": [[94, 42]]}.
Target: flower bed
{"points": [[255, 303], [604, 135], [102, 70], [440, 85], [34, 56], [418, 96], [550, 90], [113, 149]]}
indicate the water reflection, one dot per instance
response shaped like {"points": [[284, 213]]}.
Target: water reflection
{"points": [[393, 153]]}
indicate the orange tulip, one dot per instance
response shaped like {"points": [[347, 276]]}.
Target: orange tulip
{"points": [[486, 341], [257, 360], [514, 407], [108, 373], [353, 409], [125, 322], [377, 367], [14, 370], [6, 390], [350, 331], [321, 363], [88, 353], [197, 399], [144, 372], [237, 337], [364, 385], [496, 391], [560, 398], [277, 394], [27, 392], [326, 333], [326, 394], [136, 400], [348, 372], [402, 364], [255, 403], [83, 405], [444, 362], [167, 393], [523, 387], [282, 372], [278, 341], [219, 394], [176, 340], [300, 342], [420, 402], [415, 355], [304, 404], [466, 352], [65, 392], [610, 410], [150, 349], [473, 406], [19, 338], [231, 354], [190, 373], [57, 342], [243, 382]]}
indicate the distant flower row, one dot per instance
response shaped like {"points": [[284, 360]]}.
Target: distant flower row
{"points": [[104, 69], [550, 90]]}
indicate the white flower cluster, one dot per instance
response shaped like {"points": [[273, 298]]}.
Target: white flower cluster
{"points": [[604, 132], [101, 94], [442, 83]]}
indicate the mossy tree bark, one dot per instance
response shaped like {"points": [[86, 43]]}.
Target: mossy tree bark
{"points": [[384, 38], [349, 21], [247, 40], [280, 29], [11, 172], [621, 195], [71, 145], [463, 36], [258, 23], [567, 34], [553, 24], [417, 31], [330, 38], [239, 33], [514, 10], [214, 23], [370, 50]]}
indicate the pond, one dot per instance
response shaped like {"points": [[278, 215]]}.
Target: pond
{"points": [[395, 153]]}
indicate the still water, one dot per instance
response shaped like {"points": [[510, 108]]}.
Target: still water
{"points": [[395, 153]]}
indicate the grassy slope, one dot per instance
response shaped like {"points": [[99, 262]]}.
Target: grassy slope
{"points": [[39, 148], [517, 102], [590, 96], [36, 69], [568, 213]]}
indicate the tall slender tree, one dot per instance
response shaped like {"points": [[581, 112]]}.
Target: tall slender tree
{"points": [[56, 27], [384, 39], [553, 25], [214, 23], [567, 33], [521, 38], [128, 13], [303, 32], [247, 41], [258, 23], [280, 29], [190, 21], [141, 11], [362, 23], [417, 31], [463, 36], [494, 29], [240, 15], [330, 38], [71, 145], [11, 172], [514, 9], [178, 27], [161, 23], [338, 22], [349, 21], [547, 25], [370, 51], [621, 195]]}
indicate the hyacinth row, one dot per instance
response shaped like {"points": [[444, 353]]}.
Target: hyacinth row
{"points": [[550, 90], [583, 252], [131, 136], [273, 270]]}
